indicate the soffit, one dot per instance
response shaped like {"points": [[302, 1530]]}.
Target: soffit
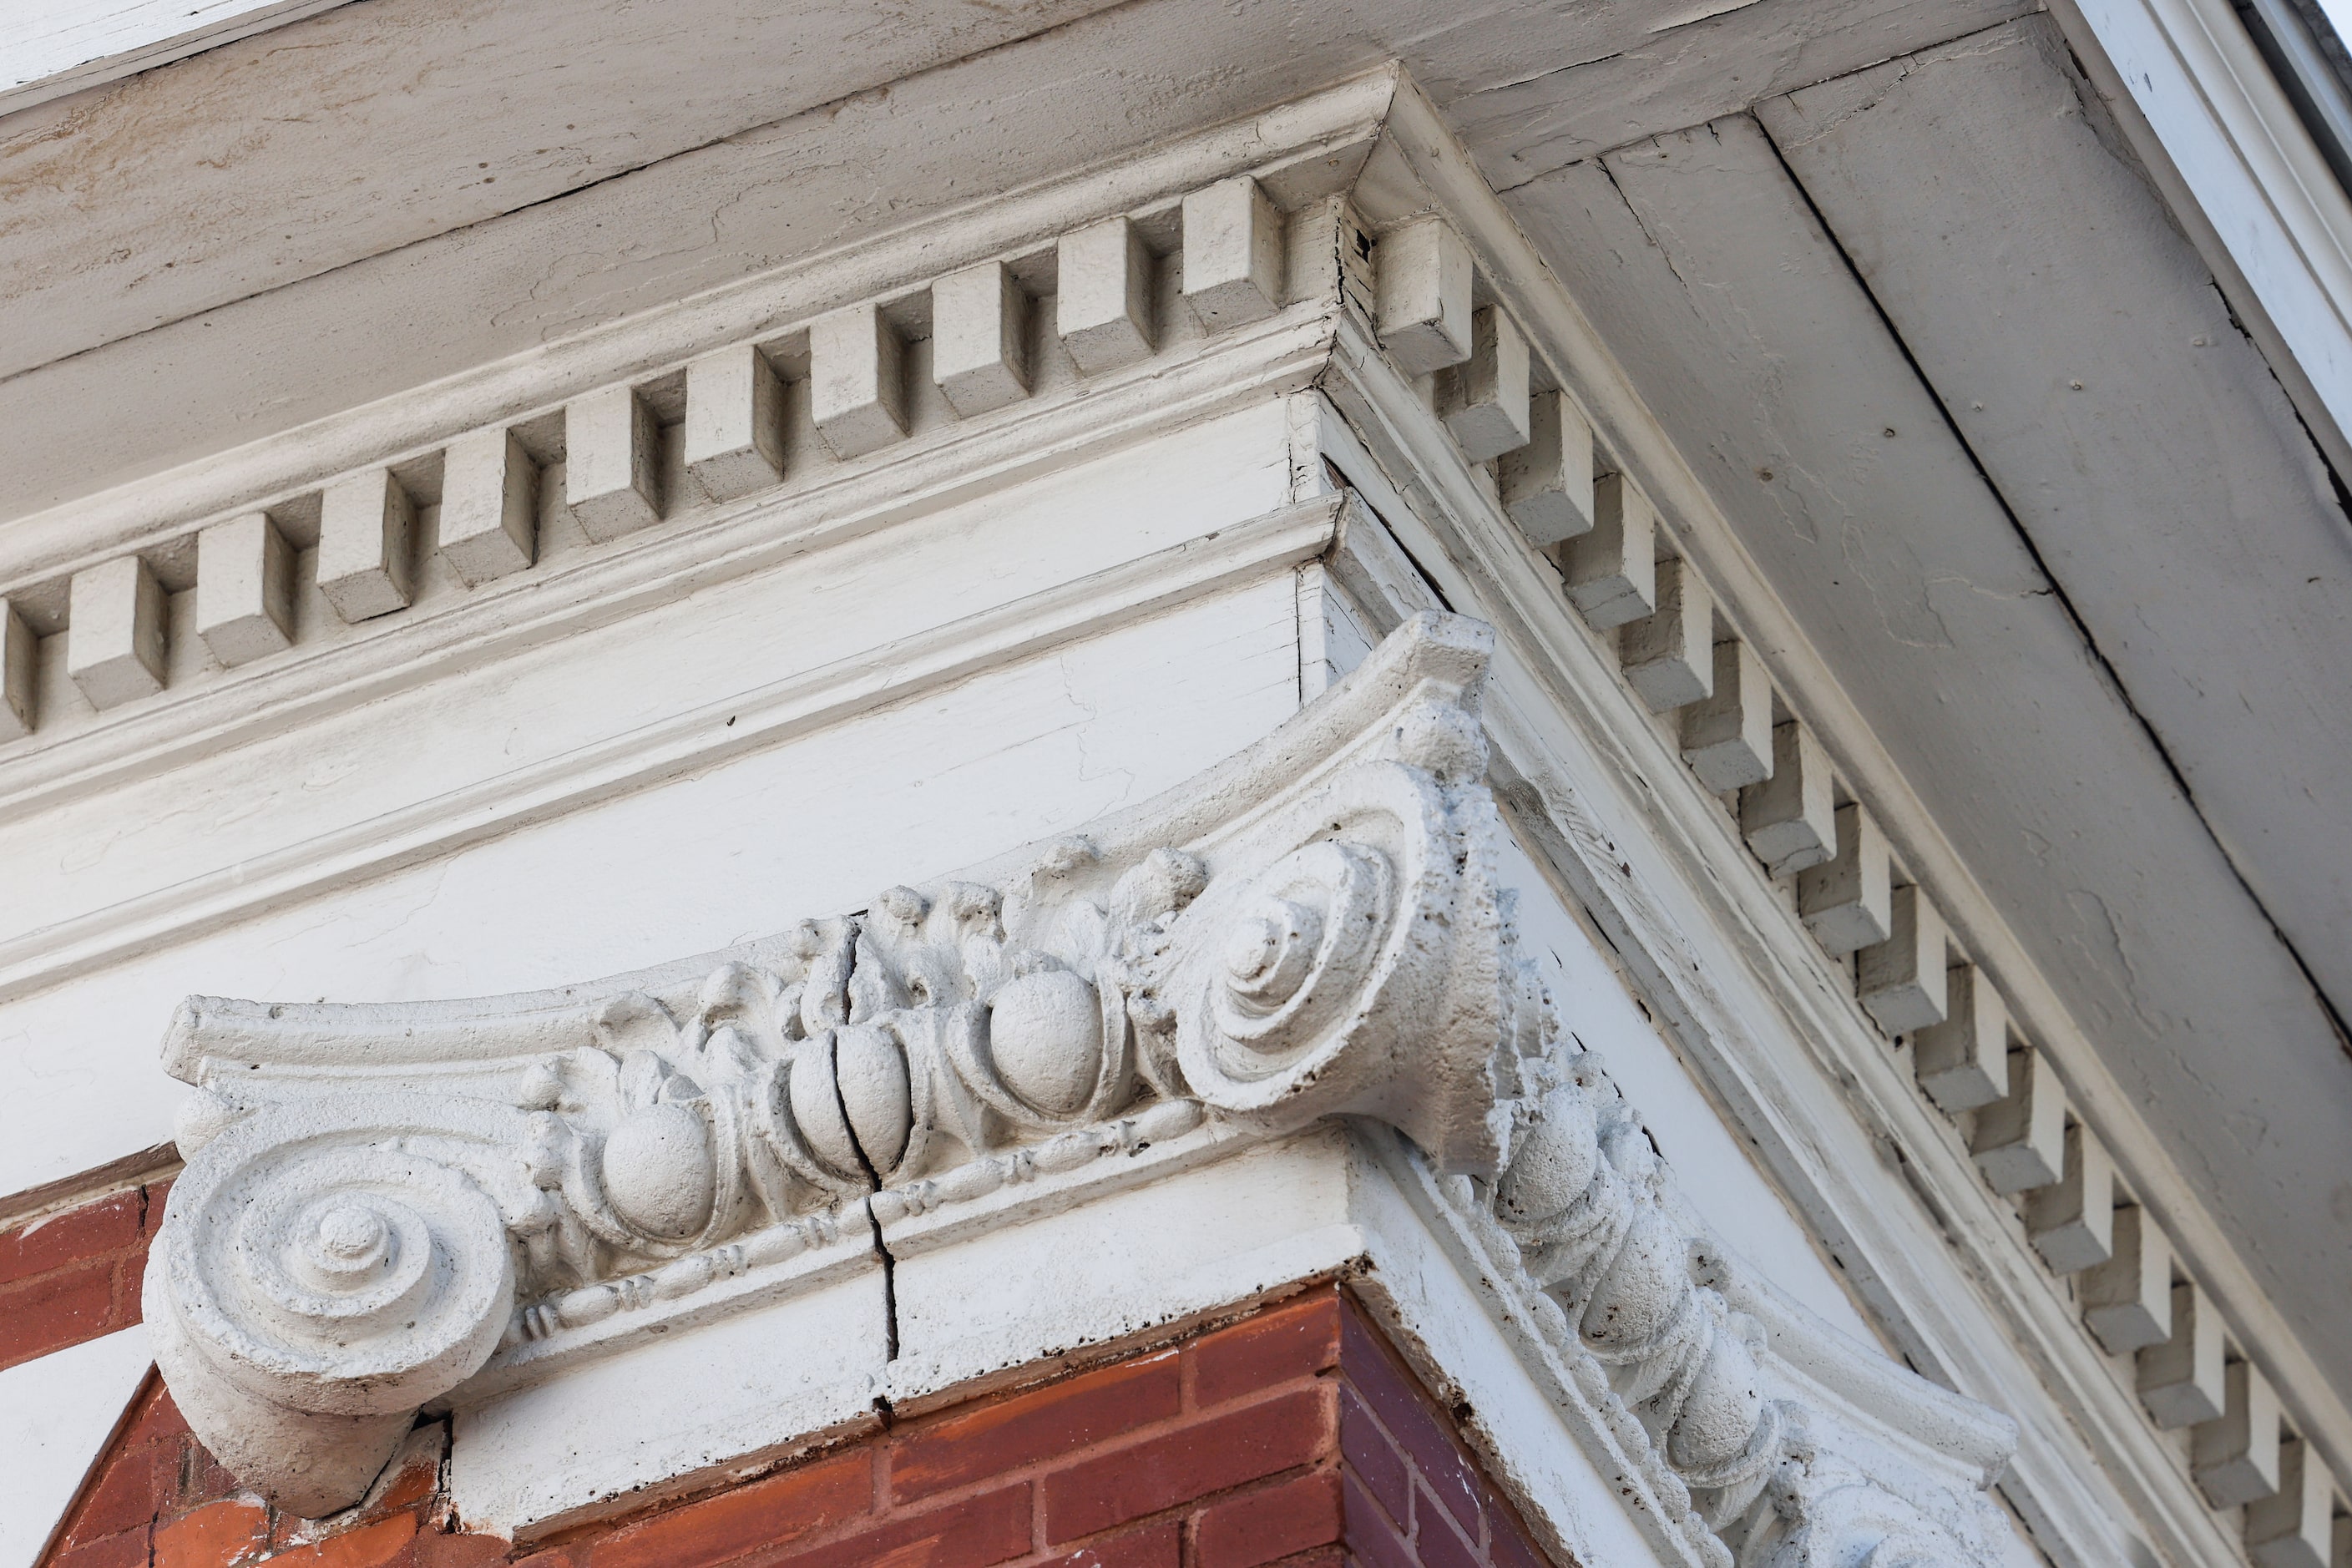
{"points": [[302, 222], [1744, 327]]}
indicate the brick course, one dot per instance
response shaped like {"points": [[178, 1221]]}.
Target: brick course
{"points": [[1293, 1437], [75, 1276]]}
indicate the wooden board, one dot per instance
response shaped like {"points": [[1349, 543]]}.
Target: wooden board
{"points": [[2137, 434], [74, 45], [1749, 335], [157, 237]]}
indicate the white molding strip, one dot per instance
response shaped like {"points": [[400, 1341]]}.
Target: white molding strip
{"points": [[53, 48], [762, 717], [2249, 163]]}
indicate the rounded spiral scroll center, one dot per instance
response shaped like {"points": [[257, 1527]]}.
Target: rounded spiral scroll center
{"points": [[1269, 955], [353, 1246]]}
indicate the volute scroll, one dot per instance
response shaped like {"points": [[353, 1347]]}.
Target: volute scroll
{"points": [[382, 1201]]}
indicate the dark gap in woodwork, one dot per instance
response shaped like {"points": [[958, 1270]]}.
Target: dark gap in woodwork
{"points": [[2065, 600]]}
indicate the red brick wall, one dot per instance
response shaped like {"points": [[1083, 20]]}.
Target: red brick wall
{"points": [[1294, 1435], [75, 1276]]}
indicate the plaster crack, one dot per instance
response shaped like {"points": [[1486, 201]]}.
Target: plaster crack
{"points": [[874, 1224]]}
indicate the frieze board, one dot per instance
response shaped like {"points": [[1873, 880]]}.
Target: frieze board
{"points": [[382, 1201], [765, 715]]}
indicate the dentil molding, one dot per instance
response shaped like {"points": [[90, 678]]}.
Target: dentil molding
{"points": [[384, 1205]]}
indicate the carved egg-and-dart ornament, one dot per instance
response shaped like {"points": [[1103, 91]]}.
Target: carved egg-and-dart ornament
{"points": [[870, 1068], [847, 1113], [1045, 1038], [659, 1173]]}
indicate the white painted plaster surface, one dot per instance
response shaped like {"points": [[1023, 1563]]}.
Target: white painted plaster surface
{"points": [[1216, 1234], [534, 707], [1155, 1254], [716, 859], [56, 1414], [681, 1405]]}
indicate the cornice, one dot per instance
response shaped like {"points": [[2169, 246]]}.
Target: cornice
{"points": [[1629, 438], [389, 1207], [1300, 151], [1701, 901], [1823, 1097]]}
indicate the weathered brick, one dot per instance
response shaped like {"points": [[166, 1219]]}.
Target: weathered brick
{"points": [[1436, 1544], [214, 1536], [1297, 1340], [1508, 1542], [1377, 1466], [413, 1485], [203, 1478], [1372, 1541], [157, 1417], [51, 1311], [460, 1550], [368, 1546], [775, 1510], [95, 1230], [999, 1437], [1202, 1457], [971, 1532], [1410, 1418], [1154, 1546], [127, 1492], [1257, 1527], [127, 1549]]}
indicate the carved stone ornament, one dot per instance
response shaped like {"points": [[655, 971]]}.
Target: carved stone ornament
{"points": [[381, 1202]]}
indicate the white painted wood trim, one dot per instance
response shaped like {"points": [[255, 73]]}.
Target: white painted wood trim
{"points": [[761, 717], [1574, 349], [2246, 160], [53, 48], [683, 554]]}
